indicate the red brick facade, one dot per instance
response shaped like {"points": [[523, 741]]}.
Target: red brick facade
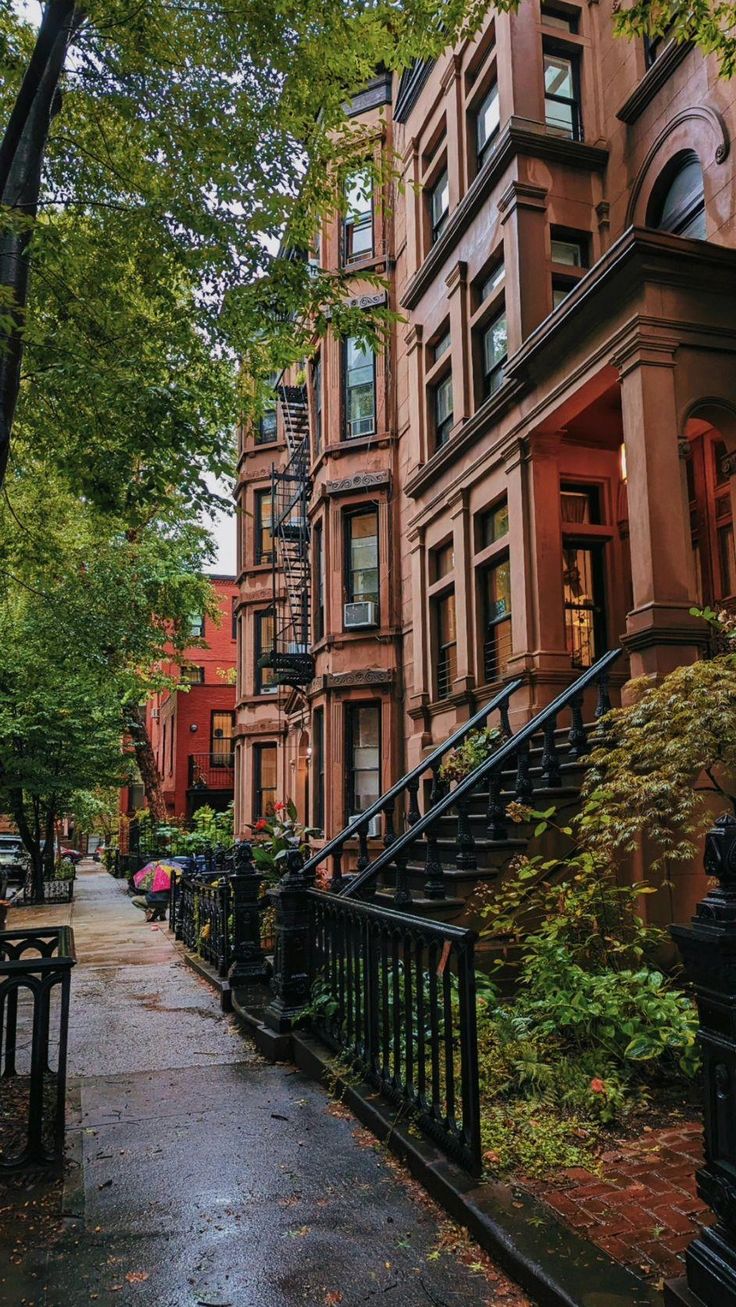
{"points": [[191, 730]]}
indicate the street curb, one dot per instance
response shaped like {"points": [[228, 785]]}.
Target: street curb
{"points": [[553, 1264]]}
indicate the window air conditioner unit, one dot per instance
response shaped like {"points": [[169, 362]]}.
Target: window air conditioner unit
{"points": [[294, 648], [374, 826], [364, 613]]}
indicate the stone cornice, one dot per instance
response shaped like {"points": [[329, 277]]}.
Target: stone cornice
{"points": [[520, 136], [653, 81]]}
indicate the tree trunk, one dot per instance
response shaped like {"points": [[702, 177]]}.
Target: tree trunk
{"points": [[31, 837], [21, 159], [135, 725]]}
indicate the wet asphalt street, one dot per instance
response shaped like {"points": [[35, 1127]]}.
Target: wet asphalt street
{"points": [[201, 1176]]}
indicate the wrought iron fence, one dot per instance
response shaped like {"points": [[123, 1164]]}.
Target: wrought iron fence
{"points": [[35, 979], [201, 916], [396, 995], [56, 889]]}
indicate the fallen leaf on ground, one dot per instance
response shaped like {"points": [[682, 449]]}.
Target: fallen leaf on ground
{"points": [[136, 1277]]}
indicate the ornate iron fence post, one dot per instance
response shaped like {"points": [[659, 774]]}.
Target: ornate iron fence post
{"points": [[708, 949], [292, 964], [248, 961]]}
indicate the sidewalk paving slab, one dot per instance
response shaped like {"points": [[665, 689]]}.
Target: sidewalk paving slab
{"points": [[201, 1176]]}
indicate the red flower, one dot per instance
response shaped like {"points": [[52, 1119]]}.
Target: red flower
{"points": [[279, 807], [261, 824], [597, 1086]]}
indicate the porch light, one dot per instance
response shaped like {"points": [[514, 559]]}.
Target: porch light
{"points": [[622, 460]]}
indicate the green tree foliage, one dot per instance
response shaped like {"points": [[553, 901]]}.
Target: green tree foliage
{"points": [[90, 613], [152, 158], [708, 24]]}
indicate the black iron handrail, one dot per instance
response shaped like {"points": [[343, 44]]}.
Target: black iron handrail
{"points": [[402, 786], [497, 762]]}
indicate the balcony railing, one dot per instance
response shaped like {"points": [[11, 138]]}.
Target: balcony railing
{"points": [[212, 771]]}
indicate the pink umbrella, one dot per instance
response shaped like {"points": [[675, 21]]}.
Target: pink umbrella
{"points": [[155, 876]]}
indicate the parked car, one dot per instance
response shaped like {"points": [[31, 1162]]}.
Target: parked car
{"points": [[72, 854], [14, 860]]}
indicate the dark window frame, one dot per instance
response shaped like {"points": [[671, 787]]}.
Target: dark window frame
{"points": [[370, 507], [317, 382], [443, 658], [184, 675], [368, 219], [442, 429], [261, 556], [259, 649], [553, 47], [318, 564], [351, 711], [346, 389], [259, 750], [691, 209], [488, 374], [596, 549], [482, 151], [223, 712], [492, 623], [437, 226]]}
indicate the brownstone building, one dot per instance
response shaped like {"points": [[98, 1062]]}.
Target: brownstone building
{"points": [[538, 467]]}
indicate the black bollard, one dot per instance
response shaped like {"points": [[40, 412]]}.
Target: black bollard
{"points": [[708, 949], [292, 972]]}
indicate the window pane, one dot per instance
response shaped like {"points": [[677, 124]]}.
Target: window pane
{"points": [[495, 524], [444, 399], [686, 187], [488, 119], [362, 580], [499, 590], [494, 343], [567, 252], [360, 389], [580, 605], [442, 346], [493, 281], [358, 215], [440, 201], [558, 76]]}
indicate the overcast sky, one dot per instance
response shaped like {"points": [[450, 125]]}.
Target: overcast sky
{"points": [[223, 529]]}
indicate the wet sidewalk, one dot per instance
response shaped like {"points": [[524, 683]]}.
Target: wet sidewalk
{"points": [[201, 1176]]}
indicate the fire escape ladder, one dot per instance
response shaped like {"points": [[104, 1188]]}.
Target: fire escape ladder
{"points": [[291, 657]]}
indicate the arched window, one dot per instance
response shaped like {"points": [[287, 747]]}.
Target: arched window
{"points": [[678, 201]]}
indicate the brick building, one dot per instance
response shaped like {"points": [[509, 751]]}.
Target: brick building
{"points": [[540, 464], [191, 730]]}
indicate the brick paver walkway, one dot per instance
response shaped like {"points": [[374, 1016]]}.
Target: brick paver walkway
{"points": [[643, 1210]]}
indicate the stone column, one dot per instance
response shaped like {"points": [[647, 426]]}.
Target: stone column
{"points": [[708, 948], [523, 210], [465, 679], [660, 633], [457, 298]]}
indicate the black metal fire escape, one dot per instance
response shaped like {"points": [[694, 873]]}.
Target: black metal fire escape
{"points": [[291, 657]]}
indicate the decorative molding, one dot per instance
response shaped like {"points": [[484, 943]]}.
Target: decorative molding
{"points": [[451, 73], [520, 136], [521, 195], [376, 93], [698, 111], [456, 277], [348, 680], [366, 301], [728, 464], [360, 481], [602, 212], [653, 80]]}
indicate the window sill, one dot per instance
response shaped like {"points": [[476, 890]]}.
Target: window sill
{"points": [[653, 81]]}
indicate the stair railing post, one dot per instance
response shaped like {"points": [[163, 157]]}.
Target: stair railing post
{"points": [[550, 757], [412, 812], [465, 857], [434, 885], [496, 815], [577, 738], [708, 950], [292, 977], [248, 963]]}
